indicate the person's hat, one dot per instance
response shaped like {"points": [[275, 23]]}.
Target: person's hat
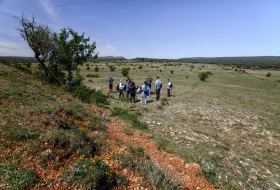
{"points": [[110, 76], [121, 80]]}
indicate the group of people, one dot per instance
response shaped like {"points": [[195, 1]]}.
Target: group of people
{"points": [[129, 88]]}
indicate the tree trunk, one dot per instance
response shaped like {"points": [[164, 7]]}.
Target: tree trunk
{"points": [[46, 72]]}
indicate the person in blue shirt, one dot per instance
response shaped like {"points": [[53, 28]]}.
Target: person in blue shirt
{"points": [[158, 85]]}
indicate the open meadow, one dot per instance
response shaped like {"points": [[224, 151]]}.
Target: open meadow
{"points": [[229, 123]]}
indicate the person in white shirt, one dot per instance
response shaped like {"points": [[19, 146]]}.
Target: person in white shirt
{"points": [[169, 87], [121, 87]]}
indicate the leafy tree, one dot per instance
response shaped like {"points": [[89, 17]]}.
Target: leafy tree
{"points": [[72, 50], [39, 38]]}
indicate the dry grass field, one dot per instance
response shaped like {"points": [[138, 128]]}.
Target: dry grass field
{"points": [[228, 123]]}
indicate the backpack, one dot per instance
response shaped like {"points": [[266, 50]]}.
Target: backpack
{"points": [[160, 85], [171, 85], [118, 87], [146, 88], [110, 82]]}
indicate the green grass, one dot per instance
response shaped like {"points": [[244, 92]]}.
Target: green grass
{"points": [[231, 119]]}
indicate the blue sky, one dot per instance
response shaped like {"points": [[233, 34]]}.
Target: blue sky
{"points": [[153, 28]]}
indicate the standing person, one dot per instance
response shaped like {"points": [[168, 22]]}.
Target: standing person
{"points": [[145, 92], [158, 85], [132, 90], [127, 87], [121, 87], [110, 80], [151, 82], [169, 87]]}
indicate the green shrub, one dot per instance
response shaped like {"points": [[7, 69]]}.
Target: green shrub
{"points": [[96, 68], [92, 75], [98, 98], [209, 172], [88, 95], [125, 71], [17, 178], [268, 74], [127, 160], [70, 140], [171, 71], [56, 73], [24, 69], [202, 76], [28, 64], [91, 173], [82, 92], [88, 68], [157, 177], [112, 68]]}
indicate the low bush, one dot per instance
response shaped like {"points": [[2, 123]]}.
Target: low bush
{"points": [[125, 71], [268, 74], [17, 178], [22, 68], [203, 76], [91, 173], [88, 95], [209, 172], [92, 75], [157, 177], [96, 68], [70, 140], [112, 68]]}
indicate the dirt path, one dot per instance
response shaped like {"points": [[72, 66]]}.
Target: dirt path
{"points": [[189, 173]]}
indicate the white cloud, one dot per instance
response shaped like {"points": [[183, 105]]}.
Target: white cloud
{"points": [[48, 6], [14, 49], [107, 50]]}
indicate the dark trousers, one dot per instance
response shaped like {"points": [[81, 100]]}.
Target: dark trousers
{"points": [[157, 94], [168, 92], [132, 96], [121, 93], [127, 94]]}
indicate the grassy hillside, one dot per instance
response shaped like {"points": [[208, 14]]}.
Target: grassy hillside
{"points": [[43, 133]]}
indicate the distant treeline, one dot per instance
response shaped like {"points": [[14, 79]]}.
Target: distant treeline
{"points": [[258, 60], [18, 59]]}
